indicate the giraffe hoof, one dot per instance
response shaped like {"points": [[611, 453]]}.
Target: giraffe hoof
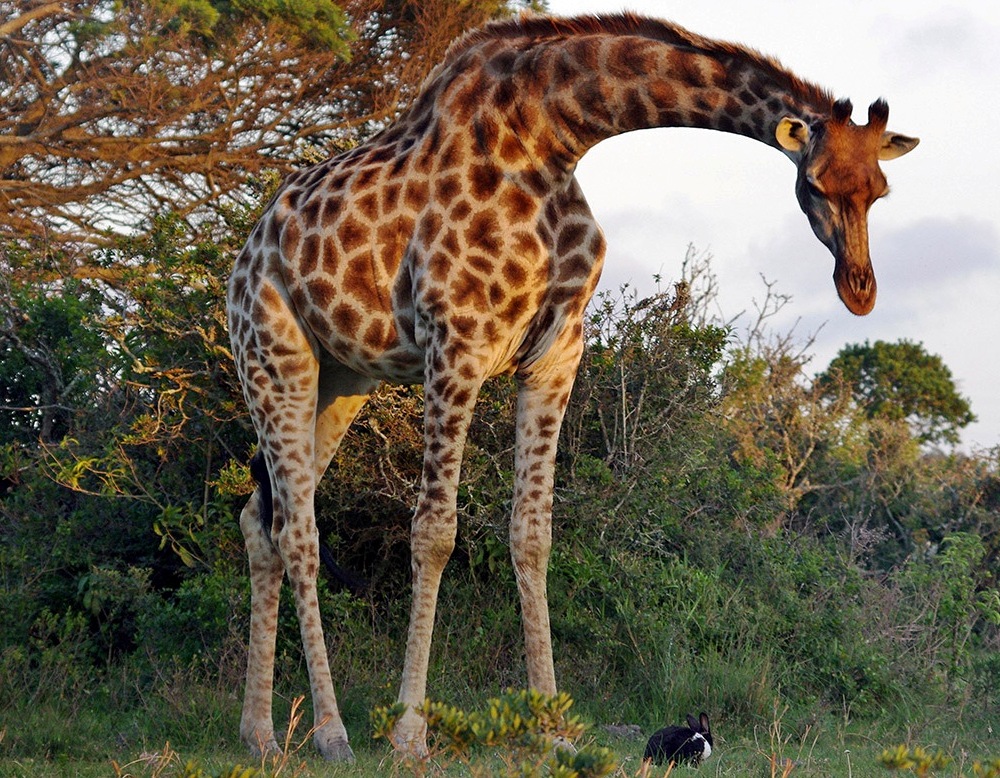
{"points": [[335, 749], [410, 748], [410, 735], [259, 737], [559, 743], [261, 747]]}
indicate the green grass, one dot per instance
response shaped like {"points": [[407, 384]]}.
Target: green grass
{"points": [[153, 742]]}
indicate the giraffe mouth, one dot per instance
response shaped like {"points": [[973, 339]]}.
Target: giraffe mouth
{"points": [[856, 286]]}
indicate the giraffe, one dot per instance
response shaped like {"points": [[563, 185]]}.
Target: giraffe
{"points": [[456, 245]]}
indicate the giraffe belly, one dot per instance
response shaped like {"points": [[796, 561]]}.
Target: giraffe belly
{"points": [[360, 311], [372, 347]]}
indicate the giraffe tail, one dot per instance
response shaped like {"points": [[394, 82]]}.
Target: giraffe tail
{"points": [[258, 470], [354, 583]]}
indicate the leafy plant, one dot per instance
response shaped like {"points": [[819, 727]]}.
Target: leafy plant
{"points": [[529, 731], [922, 762]]}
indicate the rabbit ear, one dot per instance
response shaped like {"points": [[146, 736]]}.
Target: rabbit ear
{"points": [[692, 722], [704, 722]]}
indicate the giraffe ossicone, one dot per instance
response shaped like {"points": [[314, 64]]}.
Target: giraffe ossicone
{"points": [[456, 245]]}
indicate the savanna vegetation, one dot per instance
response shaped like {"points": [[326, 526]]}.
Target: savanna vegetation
{"points": [[796, 549]]}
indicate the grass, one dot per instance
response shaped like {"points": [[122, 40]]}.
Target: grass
{"points": [[55, 741], [121, 726]]}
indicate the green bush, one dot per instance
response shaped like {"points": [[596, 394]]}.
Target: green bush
{"points": [[724, 538]]}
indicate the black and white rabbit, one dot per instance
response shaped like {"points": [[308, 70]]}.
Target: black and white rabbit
{"points": [[692, 743]]}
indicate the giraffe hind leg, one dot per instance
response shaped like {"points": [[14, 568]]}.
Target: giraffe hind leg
{"points": [[300, 415], [258, 470], [339, 394], [266, 571], [294, 540]]}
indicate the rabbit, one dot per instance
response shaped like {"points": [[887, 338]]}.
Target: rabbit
{"points": [[692, 743]]}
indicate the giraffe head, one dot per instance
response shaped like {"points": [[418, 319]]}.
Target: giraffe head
{"points": [[838, 180]]}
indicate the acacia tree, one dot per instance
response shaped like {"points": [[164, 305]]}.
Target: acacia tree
{"points": [[115, 111], [111, 112], [169, 118], [901, 381]]}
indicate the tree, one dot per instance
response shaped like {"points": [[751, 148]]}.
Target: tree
{"points": [[901, 381], [778, 418], [49, 358], [112, 112], [133, 131]]}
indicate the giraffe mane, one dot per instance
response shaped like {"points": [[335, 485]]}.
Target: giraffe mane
{"points": [[540, 28]]}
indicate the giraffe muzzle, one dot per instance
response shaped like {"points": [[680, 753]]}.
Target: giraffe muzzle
{"points": [[856, 286]]}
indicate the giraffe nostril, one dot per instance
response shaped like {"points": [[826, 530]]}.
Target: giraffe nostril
{"points": [[862, 281], [856, 287]]}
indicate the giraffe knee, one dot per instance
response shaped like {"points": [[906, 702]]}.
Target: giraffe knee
{"points": [[251, 525], [261, 554], [432, 543], [300, 551], [530, 552]]}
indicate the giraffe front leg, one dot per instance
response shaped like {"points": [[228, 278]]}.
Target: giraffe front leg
{"points": [[432, 541], [266, 569], [541, 404], [448, 405]]}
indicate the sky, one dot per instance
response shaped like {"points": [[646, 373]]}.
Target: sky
{"points": [[935, 241]]}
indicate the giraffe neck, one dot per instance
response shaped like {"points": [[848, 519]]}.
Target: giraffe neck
{"points": [[569, 84], [642, 84]]}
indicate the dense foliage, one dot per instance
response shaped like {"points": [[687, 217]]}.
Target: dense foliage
{"points": [[732, 533], [114, 110], [902, 381], [727, 533]]}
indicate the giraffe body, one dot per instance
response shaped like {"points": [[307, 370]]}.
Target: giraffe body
{"points": [[455, 246]]}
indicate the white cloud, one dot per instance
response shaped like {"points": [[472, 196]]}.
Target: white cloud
{"points": [[935, 251], [942, 41]]}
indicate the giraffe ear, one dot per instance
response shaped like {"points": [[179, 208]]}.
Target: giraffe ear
{"points": [[792, 134], [896, 145]]}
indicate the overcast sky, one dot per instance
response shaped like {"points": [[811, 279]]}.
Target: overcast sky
{"points": [[935, 241]]}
